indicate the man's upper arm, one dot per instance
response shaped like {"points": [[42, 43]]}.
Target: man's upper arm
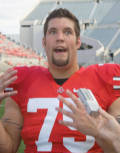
{"points": [[114, 109], [13, 121]]}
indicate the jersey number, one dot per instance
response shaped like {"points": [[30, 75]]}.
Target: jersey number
{"points": [[42, 143]]}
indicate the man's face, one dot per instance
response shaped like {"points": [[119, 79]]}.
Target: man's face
{"points": [[60, 42]]}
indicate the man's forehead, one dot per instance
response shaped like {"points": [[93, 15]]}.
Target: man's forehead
{"points": [[60, 22]]}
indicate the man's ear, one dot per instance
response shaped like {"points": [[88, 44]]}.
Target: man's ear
{"points": [[78, 42], [43, 42]]}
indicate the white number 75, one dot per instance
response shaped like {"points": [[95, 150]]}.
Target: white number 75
{"points": [[42, 144]]}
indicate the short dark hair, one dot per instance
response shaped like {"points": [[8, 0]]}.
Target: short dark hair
{"points": [[59, 13]]}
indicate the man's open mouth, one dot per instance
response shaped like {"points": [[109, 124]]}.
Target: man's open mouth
{"points": [[59, 50]]}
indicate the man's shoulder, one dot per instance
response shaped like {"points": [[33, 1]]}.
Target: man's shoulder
{"points": [[106, 71], [24, 72], [106, 68], [30, 68]]}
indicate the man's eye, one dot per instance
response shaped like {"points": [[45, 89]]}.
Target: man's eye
{"points": [[53, 32], [68, 32]]}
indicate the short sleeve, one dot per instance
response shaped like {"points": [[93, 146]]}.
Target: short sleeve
{"points": [[19, 83], [110, 74]]}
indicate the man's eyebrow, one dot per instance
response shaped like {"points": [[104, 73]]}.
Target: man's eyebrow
{"points": [[68, 28], [52, 28]]}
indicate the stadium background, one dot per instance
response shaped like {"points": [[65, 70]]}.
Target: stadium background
{"points": [[20, 42]]}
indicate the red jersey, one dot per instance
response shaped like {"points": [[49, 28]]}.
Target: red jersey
{"points": [[37, 99]]}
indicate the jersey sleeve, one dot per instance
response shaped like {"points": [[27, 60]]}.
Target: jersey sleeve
{"points": [[19, 83], [110, 74]]}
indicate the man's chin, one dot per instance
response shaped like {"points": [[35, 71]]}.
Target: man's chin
{"points": [[60, 64]]}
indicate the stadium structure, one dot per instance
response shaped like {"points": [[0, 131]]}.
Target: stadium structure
{"points": [[100, 32]]}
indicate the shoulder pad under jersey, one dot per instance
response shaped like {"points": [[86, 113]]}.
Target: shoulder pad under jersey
{"points": [[22, 73], [108, 71]]}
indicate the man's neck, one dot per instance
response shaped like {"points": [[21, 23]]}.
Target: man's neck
{"points": [[63, 72]]}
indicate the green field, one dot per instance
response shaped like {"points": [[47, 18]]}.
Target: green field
{"points": [[22, 146]]}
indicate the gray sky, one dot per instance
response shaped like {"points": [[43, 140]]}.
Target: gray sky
{"points": [[12, 11]]}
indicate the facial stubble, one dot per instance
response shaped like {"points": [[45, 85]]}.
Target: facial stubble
{"points": [[60, 62]]}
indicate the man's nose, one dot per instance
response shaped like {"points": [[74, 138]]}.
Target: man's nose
{"points": [[60, 36]]}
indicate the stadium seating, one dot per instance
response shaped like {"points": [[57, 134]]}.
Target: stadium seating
{"points": [[99, 19], [12, 54]]}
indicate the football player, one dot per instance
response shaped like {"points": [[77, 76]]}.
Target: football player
{"points": [[31, 113]]}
